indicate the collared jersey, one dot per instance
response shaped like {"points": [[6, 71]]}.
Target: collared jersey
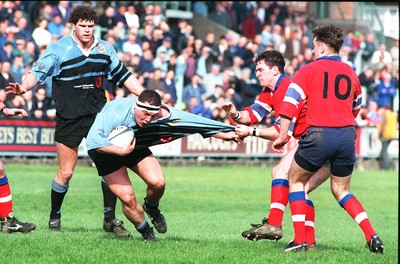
{"points": [[78, 75], [269, 101], [332, 91], [176, 125]]}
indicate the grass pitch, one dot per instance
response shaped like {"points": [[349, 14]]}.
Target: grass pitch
{"points": [[206, 209]]}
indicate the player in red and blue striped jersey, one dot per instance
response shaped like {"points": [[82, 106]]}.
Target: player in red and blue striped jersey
{"points": [[333, 94], [270, 73]]}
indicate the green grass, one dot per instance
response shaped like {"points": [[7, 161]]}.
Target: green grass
{"points": [[206, 208]]}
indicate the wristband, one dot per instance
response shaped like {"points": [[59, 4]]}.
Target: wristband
{"points": [[256, 132], [237, 116], [2, 109]]}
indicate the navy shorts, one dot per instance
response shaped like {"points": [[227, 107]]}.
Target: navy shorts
{"points": [[70, 132], [106, 163], [322, 144]]}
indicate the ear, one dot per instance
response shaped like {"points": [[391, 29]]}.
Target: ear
{"points": [[322, 48]]}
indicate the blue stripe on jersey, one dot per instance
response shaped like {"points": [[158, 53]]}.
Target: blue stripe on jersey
{"points": [[345, 199], [279, 81], [293, 93], [260, 110], [309, 203], [334, 58], [280, 182], [357, 102], [78, 75], [291, 126], [4, 180], [297, 196]]}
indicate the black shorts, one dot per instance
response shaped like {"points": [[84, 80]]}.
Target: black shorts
{"points": [[70, 132], [107, 164]]}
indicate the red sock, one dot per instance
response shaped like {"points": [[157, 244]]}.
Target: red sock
{"points": [[357, 212], [5, 198], [310, 220], [297, 202], [279, 200]]}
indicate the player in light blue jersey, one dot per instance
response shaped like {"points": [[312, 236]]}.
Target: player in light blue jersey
{"points": [[153, 124], [78, 64]]}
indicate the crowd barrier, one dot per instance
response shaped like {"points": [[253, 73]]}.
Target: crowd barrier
{"points": [[36, 138]]}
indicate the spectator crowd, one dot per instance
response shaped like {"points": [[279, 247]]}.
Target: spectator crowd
{"points": [[190, 72]]}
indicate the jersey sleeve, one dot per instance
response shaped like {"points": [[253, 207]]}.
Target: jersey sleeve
{"points": [[259, 109], [294, 95], [46, 65], [357, 100], [98, 133], [118, 73]]}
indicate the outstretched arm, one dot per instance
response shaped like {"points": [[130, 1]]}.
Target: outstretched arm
{"points": [[29, 82], [133, 85], [12, 111], [282, 139], [269, 133], [228, 136], [241, 117]]}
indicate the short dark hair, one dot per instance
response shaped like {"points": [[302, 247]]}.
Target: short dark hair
{"points": [[151, 97], [272, 58], [83, 12], [330, 35]]}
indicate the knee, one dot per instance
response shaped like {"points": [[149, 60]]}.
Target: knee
{"points": [[65, 174], [158, 183], [129, 200], [339, 193], [2, 171], [278, 172]]}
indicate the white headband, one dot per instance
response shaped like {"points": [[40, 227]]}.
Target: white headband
{"points": [[154, 109]]}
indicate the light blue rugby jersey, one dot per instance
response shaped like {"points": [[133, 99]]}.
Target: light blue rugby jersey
{"points": [[78, 75], [178, 124]]}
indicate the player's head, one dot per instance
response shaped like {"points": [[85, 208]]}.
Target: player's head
{"points": [[269, 68], [83, 12], [327, 40], [272, 58], [147, 107], [83, 19]]}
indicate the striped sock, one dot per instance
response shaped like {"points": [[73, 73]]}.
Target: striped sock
{"points": [[357, 212], [297, 202], [309, 224], [5, 197], [279, 200]]}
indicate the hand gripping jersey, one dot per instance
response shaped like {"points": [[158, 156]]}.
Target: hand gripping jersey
{"points": [[269, 101], [176, 125], [332, 90], [78, 75]]}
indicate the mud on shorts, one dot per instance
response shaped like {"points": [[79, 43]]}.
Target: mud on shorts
{"points": [[328, 144]]}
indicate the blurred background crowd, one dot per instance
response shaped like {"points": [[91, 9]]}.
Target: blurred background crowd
{"points": [[194, 73]]}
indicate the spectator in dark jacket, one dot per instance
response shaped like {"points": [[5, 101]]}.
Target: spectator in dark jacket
{"points": [[251, 25]]}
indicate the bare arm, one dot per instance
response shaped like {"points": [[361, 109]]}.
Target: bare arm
{"points": [[269, 133], [241, 117], [29, 82], [12, 111], [228, 136], [282, 139], [115, 150], [133, 85]]}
